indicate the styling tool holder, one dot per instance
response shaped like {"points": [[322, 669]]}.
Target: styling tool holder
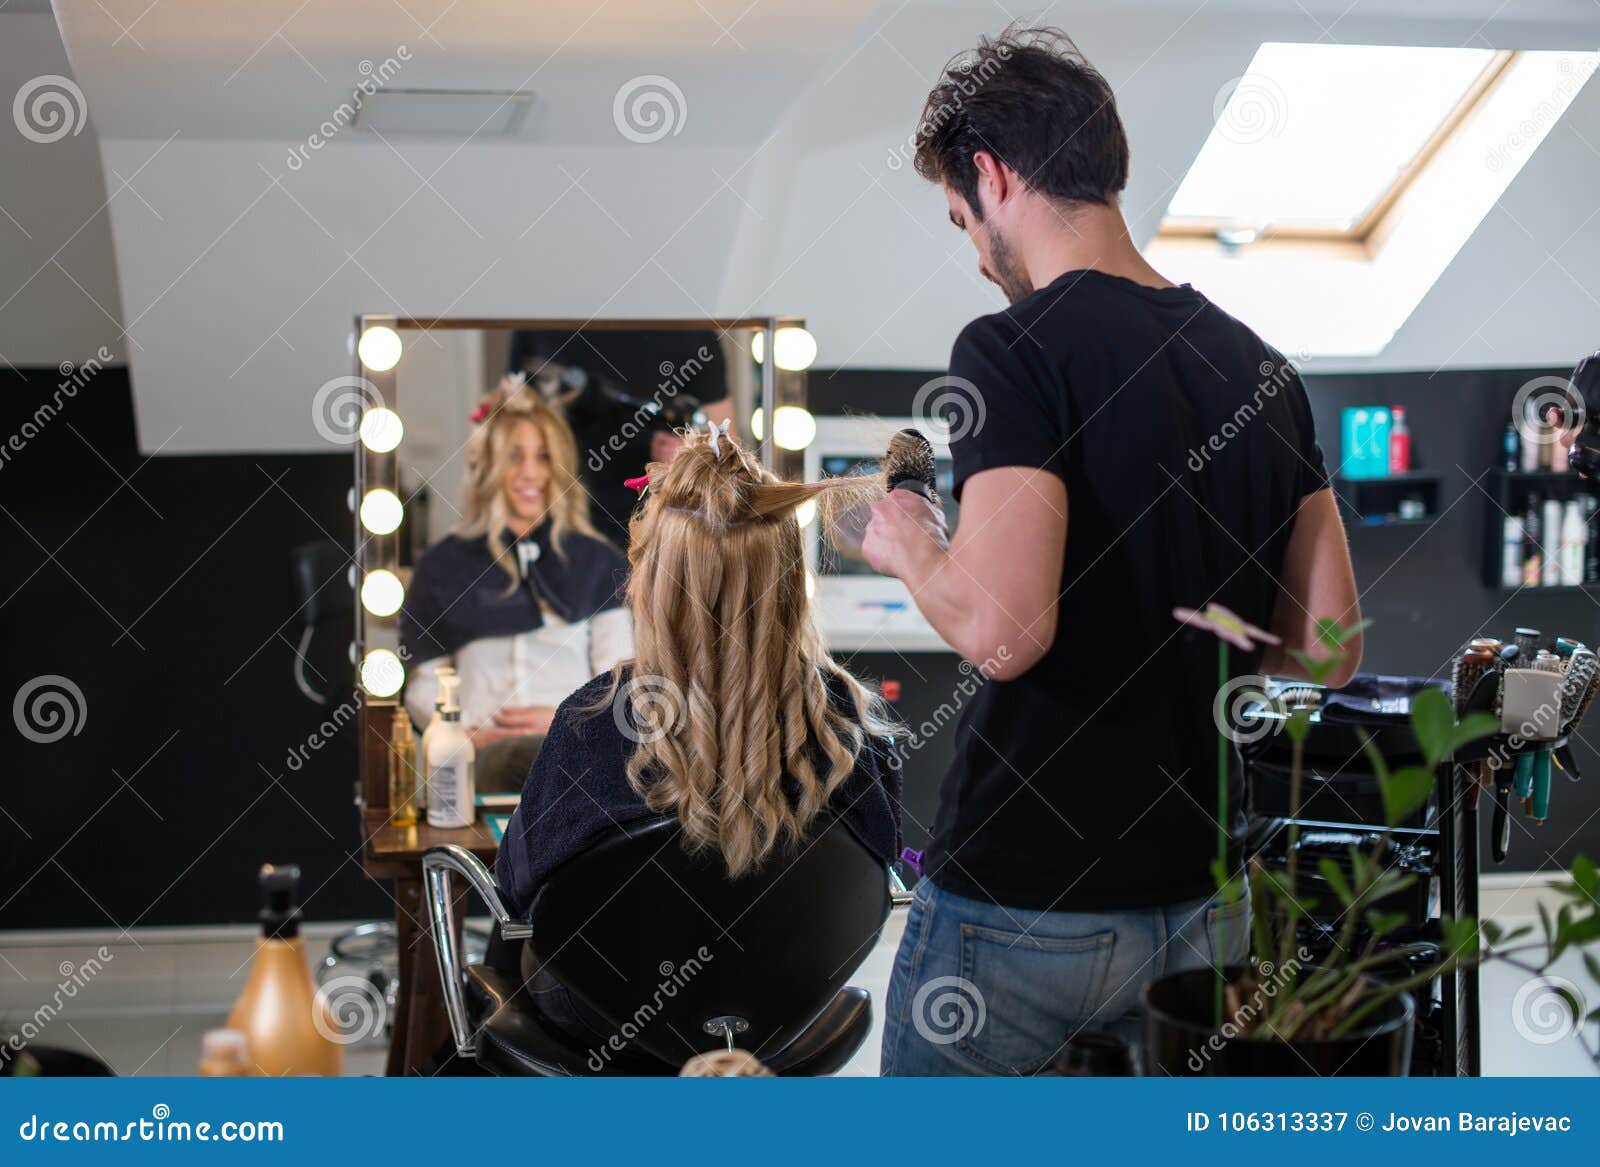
{"points": [[1540, 688]]}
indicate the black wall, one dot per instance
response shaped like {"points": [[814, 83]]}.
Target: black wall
{"points": [[161, 587], [1422, 586]]}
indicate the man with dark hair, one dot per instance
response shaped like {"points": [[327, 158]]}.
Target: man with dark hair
{"points": [[1071, 859]]}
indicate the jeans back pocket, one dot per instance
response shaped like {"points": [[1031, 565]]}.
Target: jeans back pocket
{"points": [[1026, 994]]}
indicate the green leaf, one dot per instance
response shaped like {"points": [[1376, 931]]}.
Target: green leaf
{"points": [[1433, 721], [1229, 887], [1473, 727], [1298, 725], [1382, 923], [1492, 932], [1404, 792], [1461, 937], [1587, 876], [1336, 880], [1318, 669], [1593, 965]]}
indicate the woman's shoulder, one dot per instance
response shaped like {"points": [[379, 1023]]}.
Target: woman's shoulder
{"points": [[590, 711]]}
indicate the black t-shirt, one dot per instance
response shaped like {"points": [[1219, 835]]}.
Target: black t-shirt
{"points": [[1186, 444]]}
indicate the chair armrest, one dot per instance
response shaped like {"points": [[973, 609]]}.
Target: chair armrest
{"points": [[437, 865]]}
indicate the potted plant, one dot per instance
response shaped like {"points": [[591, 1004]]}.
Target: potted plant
{"points": [[1347, 1010]]}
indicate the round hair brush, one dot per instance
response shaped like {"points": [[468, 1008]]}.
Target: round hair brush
{"points": [[908, 464]]}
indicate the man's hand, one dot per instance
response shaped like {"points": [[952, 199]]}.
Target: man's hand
{"points": [[903, 529]]}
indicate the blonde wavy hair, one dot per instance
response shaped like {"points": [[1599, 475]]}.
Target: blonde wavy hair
{"points": [[730, 680], [484, 509]]}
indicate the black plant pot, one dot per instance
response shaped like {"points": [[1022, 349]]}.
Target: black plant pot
{"points": [[1180, 1039]]}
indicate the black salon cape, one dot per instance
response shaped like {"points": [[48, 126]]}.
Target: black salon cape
{"points": [[458, 592], [578, 791]]}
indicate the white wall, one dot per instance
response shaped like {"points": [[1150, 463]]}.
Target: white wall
{"points": [[238, 276], [58, 285]]}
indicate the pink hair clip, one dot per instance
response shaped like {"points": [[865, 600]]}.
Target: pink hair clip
{"points": [[638, 484], [477, 415]]}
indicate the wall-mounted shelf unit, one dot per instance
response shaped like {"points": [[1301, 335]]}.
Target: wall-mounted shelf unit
{"points": [[1509, 493], [1366, 503]]}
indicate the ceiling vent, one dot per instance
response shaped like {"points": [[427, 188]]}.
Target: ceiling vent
{"points": [[445, 113]]}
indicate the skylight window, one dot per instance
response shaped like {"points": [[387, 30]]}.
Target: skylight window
{"points": [[1339, 181], [1317, 137]]}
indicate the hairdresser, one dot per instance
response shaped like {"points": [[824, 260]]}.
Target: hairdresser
{"points": [[1070, 860]]}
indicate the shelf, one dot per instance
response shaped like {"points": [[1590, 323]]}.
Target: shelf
{"points": [[1410, 477], [1540, 589], [1382, 524]]}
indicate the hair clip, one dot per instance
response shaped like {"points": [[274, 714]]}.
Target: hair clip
{"points": [[480, 413], [637, 485], [717, 431]]}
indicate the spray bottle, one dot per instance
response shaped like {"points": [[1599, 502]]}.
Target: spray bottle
{"points": [[420, 801], [450, 760]]}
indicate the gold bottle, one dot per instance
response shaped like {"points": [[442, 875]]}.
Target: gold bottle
{"points": [[289, 1029], [402, 771]]}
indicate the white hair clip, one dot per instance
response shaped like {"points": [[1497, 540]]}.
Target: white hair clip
{"points": [[717, 431]]}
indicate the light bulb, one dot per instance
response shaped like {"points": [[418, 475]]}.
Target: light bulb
{"points": [[381, 511], [811, 585], [795, 348], [382, 592], [381, 430], [806, 512], [793, 427], [382, 674], [379, 348], [758, 347]]}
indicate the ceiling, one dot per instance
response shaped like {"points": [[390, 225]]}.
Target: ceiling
{"points": [[245, 224]]}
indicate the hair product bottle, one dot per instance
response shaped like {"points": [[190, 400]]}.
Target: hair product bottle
{"points": [[1573, 533], [1399, 442], [1552, 543], [450, 761], [402, 770], [289, 1030], [421, 800]]}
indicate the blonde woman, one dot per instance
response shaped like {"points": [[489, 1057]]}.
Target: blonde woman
{"points": [[524, 598], [731, 715]]}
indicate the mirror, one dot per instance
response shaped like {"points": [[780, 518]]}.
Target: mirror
{"points": [[610, 393]]}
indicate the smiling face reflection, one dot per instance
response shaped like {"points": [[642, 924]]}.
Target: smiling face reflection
{"points": [[526, 479]]}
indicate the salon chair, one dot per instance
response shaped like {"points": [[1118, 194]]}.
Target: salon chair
{"points": [[653, 941]]}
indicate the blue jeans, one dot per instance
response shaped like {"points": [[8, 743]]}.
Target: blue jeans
{"points": [[982, 989]]}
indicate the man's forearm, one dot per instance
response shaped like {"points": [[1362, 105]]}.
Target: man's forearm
{"points": [[950, 600]]}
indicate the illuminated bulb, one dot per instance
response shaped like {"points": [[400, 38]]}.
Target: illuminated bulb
{"points": [[796, 428], [379, 348], [793, 427], [382, 674], [811, 585], [795, 348], [806, 512], [381, 430], [381, 511], [382, 592]]}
